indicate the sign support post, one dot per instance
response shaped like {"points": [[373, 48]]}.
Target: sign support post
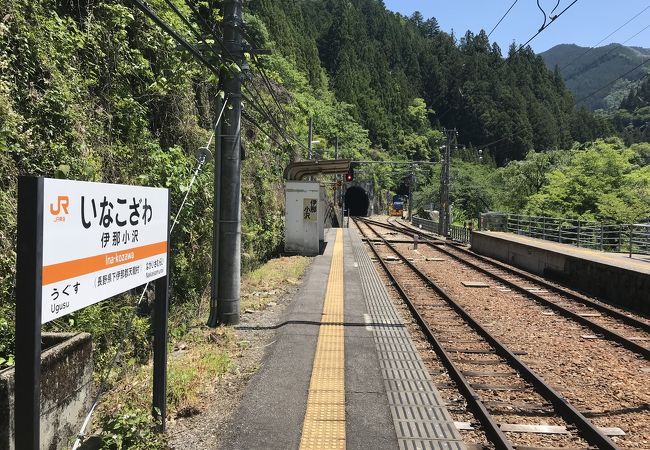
{"points": [[161, 310], [29, 262], [78, 244]]}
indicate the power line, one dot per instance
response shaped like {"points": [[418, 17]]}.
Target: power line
{"points": [[256, 124], [501, 20], [613, 81], [198, 35], [607, 37], [217, 39], [544, 26], [619, 45], [269, 86], [268, 117], [177, 37]]}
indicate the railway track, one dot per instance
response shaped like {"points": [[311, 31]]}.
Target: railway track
{"points": [[506, 388], [616, 325]]}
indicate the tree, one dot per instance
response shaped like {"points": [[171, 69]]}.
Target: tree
{"points": [[597, 183]]}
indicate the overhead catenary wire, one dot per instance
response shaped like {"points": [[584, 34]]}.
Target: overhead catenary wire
{"points": [[174, 34], [544, 27], [503, 17], [269, 118], [617, 46], [605, 38], [613, 81]]}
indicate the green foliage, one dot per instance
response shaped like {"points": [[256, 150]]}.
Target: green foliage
{"points": [[131, 429], [521, 179], [603, 181], [600, 182], [395, 70]]}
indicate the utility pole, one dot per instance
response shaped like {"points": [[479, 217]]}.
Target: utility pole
{"points": [[411, 182], [311, 137], [337, 192], [226, 246], [445, 184]]}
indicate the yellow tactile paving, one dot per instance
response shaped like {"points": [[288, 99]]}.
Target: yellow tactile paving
{"points": [[324, 425]]}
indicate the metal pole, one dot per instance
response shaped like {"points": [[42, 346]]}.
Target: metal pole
{"points": [[337, 193], [213, 320], [160, 330], [631, 240], [29, 264], [228, 289], [449, 216], [410, 217], [311, 136], [601, 236], [445, 207]]}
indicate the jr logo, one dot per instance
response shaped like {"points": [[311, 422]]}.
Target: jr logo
{"points": [[62, 203]]}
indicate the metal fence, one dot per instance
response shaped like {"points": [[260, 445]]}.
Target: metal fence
{"points": [[460, 234], [622, 238]]}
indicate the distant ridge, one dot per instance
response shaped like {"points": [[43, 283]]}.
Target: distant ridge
{"points": [[585, 74]]}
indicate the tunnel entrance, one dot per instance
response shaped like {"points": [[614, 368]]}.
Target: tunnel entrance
{"points": [[357, 201]]}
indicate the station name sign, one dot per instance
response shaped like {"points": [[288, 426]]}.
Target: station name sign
{"points": [[99, 240]]}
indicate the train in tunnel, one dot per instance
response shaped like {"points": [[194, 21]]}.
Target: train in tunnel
{"points": [[359, 202]]}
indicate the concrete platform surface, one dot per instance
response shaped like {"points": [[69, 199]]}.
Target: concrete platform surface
{"points": [[638, 263], [611, 277], [387, 404]]}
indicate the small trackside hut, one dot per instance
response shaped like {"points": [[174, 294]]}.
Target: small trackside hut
{"points": [[306, 204]]}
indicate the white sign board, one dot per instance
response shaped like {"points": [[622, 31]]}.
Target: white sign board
{"points": [[99, 240]]}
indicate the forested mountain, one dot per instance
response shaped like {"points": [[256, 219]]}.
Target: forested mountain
{"points": [[585, 70], [380, 62], [632, 118]]}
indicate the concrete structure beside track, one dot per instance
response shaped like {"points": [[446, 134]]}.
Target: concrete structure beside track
{"points": [[612, 277]]}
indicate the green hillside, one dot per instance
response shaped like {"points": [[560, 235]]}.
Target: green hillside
{"points": [[585, 71], [380, 62]]}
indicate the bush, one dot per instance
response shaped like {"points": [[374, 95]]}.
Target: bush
{"points": [[132, 429]]}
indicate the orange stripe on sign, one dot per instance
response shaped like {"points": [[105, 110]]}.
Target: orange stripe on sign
{"points": [[78, 267]]}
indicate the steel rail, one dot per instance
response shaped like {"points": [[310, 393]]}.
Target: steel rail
{"points": [[609, 333], [557, 289], [492, 429], [562, 406]]}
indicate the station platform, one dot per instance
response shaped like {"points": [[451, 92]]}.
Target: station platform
{"points": [[343, 371], [615, 278]]}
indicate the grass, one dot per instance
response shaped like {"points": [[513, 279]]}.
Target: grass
{"points": [[269, 282], [199, 357]]}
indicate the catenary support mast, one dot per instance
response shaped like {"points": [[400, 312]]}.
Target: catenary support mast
{"points": [[225, 304]]}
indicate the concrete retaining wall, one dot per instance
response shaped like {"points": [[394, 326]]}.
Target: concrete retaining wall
{"points": [[614, 284], [66, 391]]}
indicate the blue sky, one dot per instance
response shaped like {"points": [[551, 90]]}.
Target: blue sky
{"points": [[585, 23]]}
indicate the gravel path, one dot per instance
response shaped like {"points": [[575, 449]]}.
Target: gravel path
{"points": [[203, 430]]}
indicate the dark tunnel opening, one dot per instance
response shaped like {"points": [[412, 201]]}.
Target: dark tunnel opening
{"points": [[357, 201]]}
